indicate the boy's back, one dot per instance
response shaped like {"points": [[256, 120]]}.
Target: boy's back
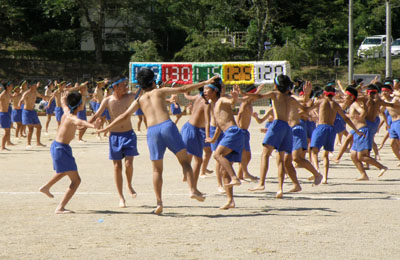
{"points": [[154, 106]]}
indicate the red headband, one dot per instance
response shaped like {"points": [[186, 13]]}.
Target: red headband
{"points": [[369, 91], [387, 89], [301, 93], [351, 94], [326, 93]]}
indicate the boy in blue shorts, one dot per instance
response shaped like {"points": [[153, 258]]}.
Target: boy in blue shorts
{"points": [[162, 132], [231, 145], [16, 114], [50, 107], [194, 132], [324, 135], [5, 118], [61, 153], [122, 139]]}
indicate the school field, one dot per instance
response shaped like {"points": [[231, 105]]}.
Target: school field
{"points": [[345, 219]]}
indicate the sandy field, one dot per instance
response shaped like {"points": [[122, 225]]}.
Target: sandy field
{"points": [[345, 219]]}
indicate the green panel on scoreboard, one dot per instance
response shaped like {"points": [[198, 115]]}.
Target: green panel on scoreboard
{"points": [[203, 72]]}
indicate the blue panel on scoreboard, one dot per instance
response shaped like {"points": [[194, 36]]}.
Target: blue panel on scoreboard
{"points": [[156, 68]]}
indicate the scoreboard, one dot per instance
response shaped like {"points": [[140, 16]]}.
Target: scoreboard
{"points": [[259, 72]]}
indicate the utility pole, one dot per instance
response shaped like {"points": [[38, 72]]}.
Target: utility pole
{"points": [[351, 43], [388, 40]]}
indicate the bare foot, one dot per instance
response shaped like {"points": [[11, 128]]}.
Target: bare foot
{"points": [[209, 171], [203, 176], [380, 148], [82, 141], [317, 180], [228, 205], [382, 171], [311, 178], [336, 160], [122, 203], [158, 210], [259, 187], [10, 144], [296, 188], [5, 149], [40, 144], [363, 178], [63, 211], [234, 182], [221, 190], [46, 191], [28, 147], [197, 195], [378, 157], [279, 194], [251, 178], [132, 192]]}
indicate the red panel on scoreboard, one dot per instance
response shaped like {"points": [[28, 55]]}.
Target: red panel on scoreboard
{"points": [[179, 73]]}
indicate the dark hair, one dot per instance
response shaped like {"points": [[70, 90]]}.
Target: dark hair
{"points": [[218, 84], [330, 89], [73, 100], [317, 91], [373, 87], [250, 89], [145, 78], [283, 83], [353, 91]]}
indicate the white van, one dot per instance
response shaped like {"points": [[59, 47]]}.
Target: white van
{"points": [[373, 47], [395, 50]]}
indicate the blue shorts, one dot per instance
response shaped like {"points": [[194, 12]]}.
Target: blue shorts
{"points": [[5, 120], [92, 106], [106, 114], [30, 117], [193, 139], [234, 140], [61, 154], [82, 114], [361, 143], [389, 118], [279, 135], [122, 145], [9, 109], [246, 135], [95, 106], [394, 132], [299, 138], [139, 112], [373, 126], [50, 110], [203, 133], [268, 124], [324, 135], [59, 113], [162, 136], [175, 110], [16, 115], [340, 124], [212, 133]]}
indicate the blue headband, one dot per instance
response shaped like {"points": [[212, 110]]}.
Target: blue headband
{"points": [[212, 87], [72, 108], [276, 81], [388, 83], [118, 81], [330, 84]]}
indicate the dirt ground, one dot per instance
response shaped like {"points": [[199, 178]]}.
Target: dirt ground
{"points": [[345, 219]]}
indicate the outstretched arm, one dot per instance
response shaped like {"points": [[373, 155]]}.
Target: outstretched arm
{"points": [[127, 114]]}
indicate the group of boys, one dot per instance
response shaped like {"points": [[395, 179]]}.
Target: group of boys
{"points": [[211, 124]]}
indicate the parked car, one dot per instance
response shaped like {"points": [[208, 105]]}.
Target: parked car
{"points": [[395, 50], [373, 47]]}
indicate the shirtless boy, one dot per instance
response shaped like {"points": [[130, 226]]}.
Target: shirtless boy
{"points": [[324, 134], [16, 114], [363, 144], [57, 96], [231, 145], [50, 106], [279, 135], [29, 115], [162, 132], [243, 121], [61, 153], [5, 118], [194, 132], [122, 139]]}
